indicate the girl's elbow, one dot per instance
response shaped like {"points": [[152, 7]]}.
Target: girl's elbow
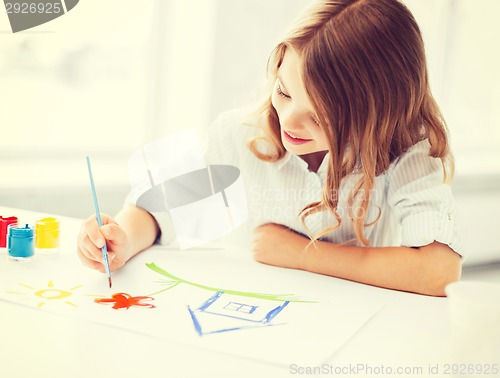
{"points": [[436, 287], [443, 267]]}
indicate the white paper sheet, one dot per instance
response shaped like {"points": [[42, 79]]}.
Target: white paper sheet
{"points": [[214, 306]]}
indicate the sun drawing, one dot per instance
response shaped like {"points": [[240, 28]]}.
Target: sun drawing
{"points": [[50, 293]]}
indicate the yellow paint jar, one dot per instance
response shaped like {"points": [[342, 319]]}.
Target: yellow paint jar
{"points": [[47, 236]]}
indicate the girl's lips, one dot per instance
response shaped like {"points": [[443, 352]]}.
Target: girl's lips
{"points": [[294, 140]]}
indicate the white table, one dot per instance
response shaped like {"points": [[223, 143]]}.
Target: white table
{"points": [[411, 332]]}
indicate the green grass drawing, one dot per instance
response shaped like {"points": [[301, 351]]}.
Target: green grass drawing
{"points": [[173, 281]]}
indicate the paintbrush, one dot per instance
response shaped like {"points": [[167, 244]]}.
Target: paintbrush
{"points": [[99, 222]]}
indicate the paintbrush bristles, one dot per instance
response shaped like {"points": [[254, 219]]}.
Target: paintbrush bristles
{"points": [[109, 279]]}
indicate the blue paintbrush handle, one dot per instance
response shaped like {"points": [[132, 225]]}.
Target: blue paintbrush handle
{"points": [[99, 221]]}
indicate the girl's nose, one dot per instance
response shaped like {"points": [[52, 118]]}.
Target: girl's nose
{"points": [[290, 119]]}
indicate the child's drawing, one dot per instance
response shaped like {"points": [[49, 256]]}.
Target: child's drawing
{"points": [[122, 301], [229, 310], [48, 294], [53, 294], [172, 281], [224, 312], [202, 313]]}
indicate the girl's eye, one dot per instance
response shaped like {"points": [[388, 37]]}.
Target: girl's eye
{"points": [[280, 91]]}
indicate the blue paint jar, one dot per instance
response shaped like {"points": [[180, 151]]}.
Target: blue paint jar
{"points": [[21, 242]]}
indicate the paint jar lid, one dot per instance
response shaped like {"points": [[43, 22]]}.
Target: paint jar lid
{"points": [[47, 224], [5, 221], [17, 232]]}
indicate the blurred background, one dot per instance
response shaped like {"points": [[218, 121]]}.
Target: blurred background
{"points": [[112, 75]]}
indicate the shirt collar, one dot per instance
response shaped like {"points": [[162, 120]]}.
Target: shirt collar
{"points": [[324, 164], [281, 163]]}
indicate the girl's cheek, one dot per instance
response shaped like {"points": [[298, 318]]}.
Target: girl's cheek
{"points": [[274, 101]]}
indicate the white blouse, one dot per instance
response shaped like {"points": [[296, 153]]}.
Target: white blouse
{"points": [[416, 208]]}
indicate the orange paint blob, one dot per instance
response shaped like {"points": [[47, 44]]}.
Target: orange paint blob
{"points": [[125, 301]]}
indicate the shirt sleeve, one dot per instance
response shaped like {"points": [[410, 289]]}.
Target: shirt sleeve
{"points": [[224, 139], [221, 144], [421, 202], [163, 219]]}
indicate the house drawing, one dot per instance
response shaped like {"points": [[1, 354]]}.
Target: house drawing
{"points": [[224, 312], [229, 310]]}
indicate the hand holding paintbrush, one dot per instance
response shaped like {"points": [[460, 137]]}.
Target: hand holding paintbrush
{"points": [[133, 231]]}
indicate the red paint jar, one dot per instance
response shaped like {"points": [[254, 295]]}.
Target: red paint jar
{"points": [[4, 223]]}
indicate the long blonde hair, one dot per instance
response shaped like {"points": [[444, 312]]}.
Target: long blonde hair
{"points": [[364, 70]]}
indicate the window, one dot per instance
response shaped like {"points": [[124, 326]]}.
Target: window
{"points": [[75, 86], [112, 75], [240, 307], [461, 39]]}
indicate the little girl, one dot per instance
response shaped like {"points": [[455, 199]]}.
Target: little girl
{"points": [[346, 166]]}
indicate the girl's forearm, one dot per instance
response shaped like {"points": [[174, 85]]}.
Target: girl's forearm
{"points": [[425, 270]]}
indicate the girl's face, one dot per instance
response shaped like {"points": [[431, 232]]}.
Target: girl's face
{"points": [[300, 130]]}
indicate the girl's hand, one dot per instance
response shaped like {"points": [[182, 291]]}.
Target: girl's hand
{"points": [[91, 239], [277, 245]]}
